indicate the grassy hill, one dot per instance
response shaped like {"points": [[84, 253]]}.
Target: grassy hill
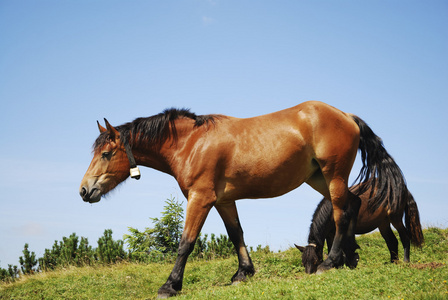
{"points": [[279, 275]]}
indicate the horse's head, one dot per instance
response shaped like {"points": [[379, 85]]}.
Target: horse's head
{"points": [[311, 257], [109, 166]]}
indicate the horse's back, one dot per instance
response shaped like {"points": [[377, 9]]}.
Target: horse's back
{"points": [[305, 120]]}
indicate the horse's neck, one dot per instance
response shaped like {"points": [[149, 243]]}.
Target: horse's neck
{"points": [[146, 156], [321, 224], [162, 156], [316, 237]]}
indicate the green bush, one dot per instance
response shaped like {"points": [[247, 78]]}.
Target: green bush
{"points": [[10, 274], [216, 247], [73, 251], [109, 251], [68, 252], [160, 242], [28, 262]]}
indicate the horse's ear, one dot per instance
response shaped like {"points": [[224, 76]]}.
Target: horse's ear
{"points": [[113, 133], [300, 248], [101, 128]]}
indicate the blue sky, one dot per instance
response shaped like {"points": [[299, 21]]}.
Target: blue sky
{"points": [[66, 64]]}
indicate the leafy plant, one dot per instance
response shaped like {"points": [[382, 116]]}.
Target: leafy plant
{"points": [[28, 261], [216, 247], [110, 251], [168, 229], [10, 274], [163, 240], [68, 252]]}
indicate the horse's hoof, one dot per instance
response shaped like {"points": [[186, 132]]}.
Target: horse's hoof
{"points": [[322, 268], [352, 262], [165, 295], [241, 275], [328, 264], [166, 292], [237, 279], [319, 271]]}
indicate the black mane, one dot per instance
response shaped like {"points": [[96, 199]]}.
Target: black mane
{"points": [[321, 223], [154, 129]]}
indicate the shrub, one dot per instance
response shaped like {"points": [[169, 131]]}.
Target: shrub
{"points": [[216, 247], [110, 251], [28, 262], [9, 275], [162, 241], [68, 252]]}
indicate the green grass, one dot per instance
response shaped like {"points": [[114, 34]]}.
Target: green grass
{"points": [[279, 275]]}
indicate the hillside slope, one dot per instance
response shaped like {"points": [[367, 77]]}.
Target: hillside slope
{"points": [[278, 275]]}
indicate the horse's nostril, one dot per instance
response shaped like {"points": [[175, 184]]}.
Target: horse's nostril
{"points": [[83, 192]]}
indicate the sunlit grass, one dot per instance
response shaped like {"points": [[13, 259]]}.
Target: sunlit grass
{"points": [[279, 275]]}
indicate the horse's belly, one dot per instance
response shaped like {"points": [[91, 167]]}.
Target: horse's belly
{"points": [[266, 183]]}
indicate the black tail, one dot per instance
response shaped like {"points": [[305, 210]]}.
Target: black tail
{"points": [[412, 221], [379, 172]]}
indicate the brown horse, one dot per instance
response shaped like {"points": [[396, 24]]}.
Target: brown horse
{"points": [[323, 228], [217, 160]]}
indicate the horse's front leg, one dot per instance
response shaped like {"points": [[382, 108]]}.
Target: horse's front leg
{"points": [[229, 215], [197, 211]]}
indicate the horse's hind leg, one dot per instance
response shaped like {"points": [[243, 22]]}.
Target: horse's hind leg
{"points": [[345, 212], [335, 257], [404, 237], [391, 241], [229, 215], [350, 246]]}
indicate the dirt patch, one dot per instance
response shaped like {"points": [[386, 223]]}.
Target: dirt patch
{"points": [[431, 265]]}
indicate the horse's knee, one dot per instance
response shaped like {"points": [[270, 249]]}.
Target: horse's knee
{"points": [[185, 247]]}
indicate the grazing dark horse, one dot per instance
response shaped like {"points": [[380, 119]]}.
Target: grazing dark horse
{"points": [[217, 160], [323, 228]]}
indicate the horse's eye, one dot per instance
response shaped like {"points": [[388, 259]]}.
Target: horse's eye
{"points": [[105, 154]]}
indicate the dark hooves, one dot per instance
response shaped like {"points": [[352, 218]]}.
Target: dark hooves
{"points": [[166, 292], [242, 275], [352, 262], [325, 266]]}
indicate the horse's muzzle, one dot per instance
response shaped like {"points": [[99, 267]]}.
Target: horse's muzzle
{"points": [[92, 196]]}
